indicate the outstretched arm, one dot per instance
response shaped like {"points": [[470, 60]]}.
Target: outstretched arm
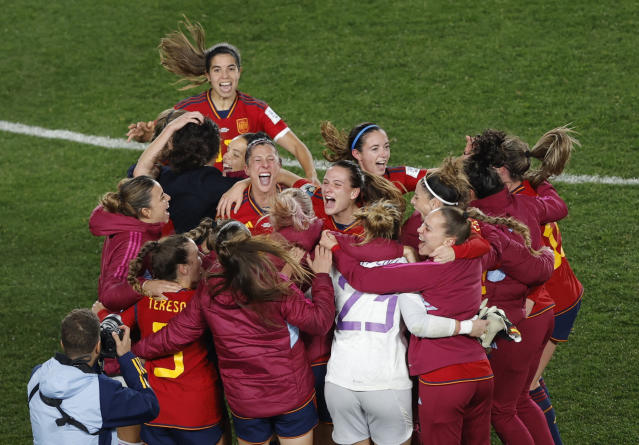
{"points": [[301, 152]]}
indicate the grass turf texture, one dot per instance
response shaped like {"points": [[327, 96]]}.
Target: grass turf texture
{"points": [[427, 72]]}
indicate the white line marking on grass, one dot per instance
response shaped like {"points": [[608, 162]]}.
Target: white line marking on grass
{"points": [[107, 142]]}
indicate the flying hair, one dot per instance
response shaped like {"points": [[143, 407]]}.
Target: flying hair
{"points": [[336, 143], [185, 56], [553, 149]]}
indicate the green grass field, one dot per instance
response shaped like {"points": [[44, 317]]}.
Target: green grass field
{"points": [[428, 72]]}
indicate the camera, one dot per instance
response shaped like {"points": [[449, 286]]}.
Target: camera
{"points": [[111, 323]]}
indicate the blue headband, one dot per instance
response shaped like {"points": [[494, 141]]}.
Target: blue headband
{"points": [[361, 132]]}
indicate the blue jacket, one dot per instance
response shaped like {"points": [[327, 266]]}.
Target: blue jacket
{"points": [[94, 400]]}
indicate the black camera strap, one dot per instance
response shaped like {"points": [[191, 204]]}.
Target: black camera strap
{"points": [[66, 418]]}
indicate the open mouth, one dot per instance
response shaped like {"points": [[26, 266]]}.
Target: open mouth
{"points": [[329, 202], [225, 86], [265, 179]]}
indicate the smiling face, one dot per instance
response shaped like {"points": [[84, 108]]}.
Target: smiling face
{"points": [[158, 210], [263, 167], [375, 152], [423, 201], [233, 159], [432, 234], [224, 76], [339, 195]]}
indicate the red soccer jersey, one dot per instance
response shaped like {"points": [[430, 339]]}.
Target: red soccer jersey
{"points": [[252, 215], [246, 115], [405, 178], [186, 383], [563, 286]]}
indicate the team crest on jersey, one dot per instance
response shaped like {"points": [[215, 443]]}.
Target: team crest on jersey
{"points": [[272, 115], [242, 125]]}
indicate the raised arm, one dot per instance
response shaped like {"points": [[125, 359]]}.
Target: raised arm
{"points": [[150, 154], [301, 152], [313, 316]]}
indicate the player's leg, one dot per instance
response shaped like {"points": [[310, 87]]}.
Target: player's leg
{"points": [[389, 414], [350, 424], [476, 427], [296, 426], [510, 367], [564, 322], [252, 431], [324, 431], [538, 330], [441, 412]]}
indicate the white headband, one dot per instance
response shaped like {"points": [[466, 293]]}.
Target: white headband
{"points": [[435, 195]]}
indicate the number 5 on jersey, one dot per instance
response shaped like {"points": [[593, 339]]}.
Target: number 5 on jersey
{"points": [[178, 359]]}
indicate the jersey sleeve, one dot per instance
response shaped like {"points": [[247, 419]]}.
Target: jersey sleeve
{"points": [[551, 207], [135, 404], [409, 177], [375, 250], [419, 322], [515, 260], [183, 329], [386, 279], [115, 292], [474, 247], [272, 123], [313, 316]]}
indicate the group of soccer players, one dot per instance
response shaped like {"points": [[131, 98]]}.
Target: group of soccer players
{"points": [[328, 314]]}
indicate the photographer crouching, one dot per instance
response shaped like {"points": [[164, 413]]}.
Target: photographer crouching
{"points": [[71, 402]]}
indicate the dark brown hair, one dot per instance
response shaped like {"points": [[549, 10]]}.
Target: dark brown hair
{"points": [[248, 271], [79, 332], [165, 255], [183, 53]]}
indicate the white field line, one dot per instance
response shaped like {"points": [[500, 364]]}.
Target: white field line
{"points": [[107, 142]]}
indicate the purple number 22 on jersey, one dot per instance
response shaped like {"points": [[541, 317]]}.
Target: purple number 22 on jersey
{"points": [[368, 326]]}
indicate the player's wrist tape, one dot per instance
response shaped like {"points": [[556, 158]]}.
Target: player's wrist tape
{"points": [[465, 327]]}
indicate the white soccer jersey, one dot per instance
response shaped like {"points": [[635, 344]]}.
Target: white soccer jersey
{"points": [[369, 345]]}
